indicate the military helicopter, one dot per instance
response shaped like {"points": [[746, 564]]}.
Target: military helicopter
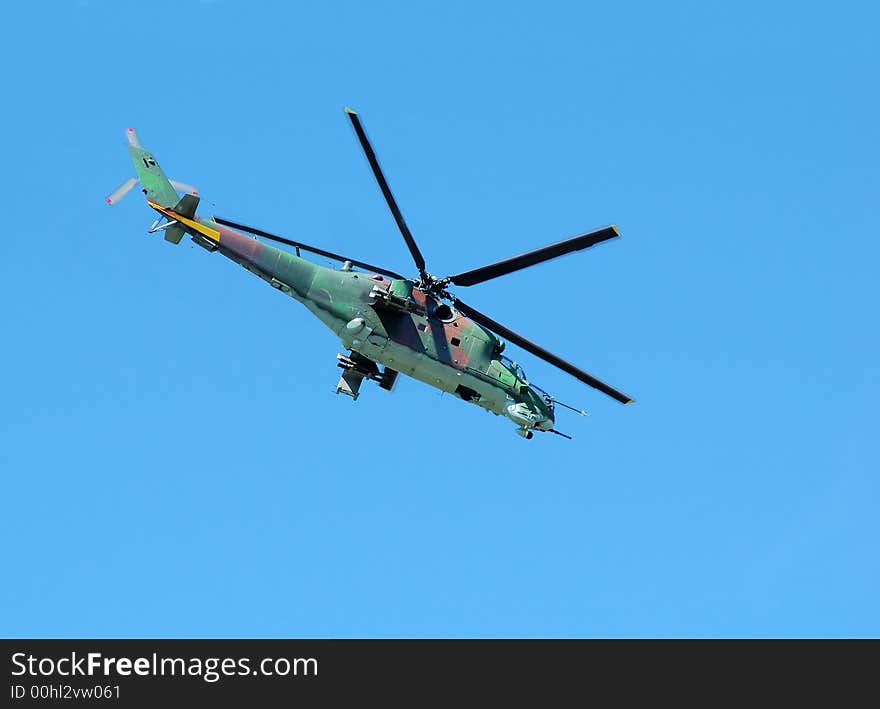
{"points": [[389, 324]]}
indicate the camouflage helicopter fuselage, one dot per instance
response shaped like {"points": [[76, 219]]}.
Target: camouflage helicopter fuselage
{"points": [[382, 321], [390, 325], [393, 324]]}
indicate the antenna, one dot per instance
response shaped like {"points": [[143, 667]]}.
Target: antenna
{"points": [[568, 406]]}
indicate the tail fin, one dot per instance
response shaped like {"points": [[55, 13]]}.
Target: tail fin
{"points": [[156, 186], [154, 183], [187, 206], [178, 212]]}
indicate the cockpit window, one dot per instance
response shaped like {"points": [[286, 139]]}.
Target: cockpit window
{"points": [[544, 395], [521, 375], [514, 367]]}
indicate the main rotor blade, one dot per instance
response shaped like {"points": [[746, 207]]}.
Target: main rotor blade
{"points": [[386, 192], [306, 247], [530, 258], [539, 351]]}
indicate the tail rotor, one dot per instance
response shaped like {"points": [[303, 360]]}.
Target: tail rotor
{"points": [[116, 195], [157, 186]]}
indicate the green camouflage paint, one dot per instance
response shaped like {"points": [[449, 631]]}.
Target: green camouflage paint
{"points": [[439, 347]]}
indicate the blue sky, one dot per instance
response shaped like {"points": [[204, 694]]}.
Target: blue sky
{"points": [[174, 460]]}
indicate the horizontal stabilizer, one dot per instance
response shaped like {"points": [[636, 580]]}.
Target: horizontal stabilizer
{"points": [[187, 205], [174, 233]]}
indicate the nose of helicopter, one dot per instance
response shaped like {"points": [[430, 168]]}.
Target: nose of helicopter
{"points": [[527, 417]]}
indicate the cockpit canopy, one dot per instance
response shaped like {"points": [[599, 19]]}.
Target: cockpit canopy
{"points": [[520, 374], [518, 371], [545, 396]]}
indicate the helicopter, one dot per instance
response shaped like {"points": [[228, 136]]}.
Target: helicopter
{"points": [[388, 323]]}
